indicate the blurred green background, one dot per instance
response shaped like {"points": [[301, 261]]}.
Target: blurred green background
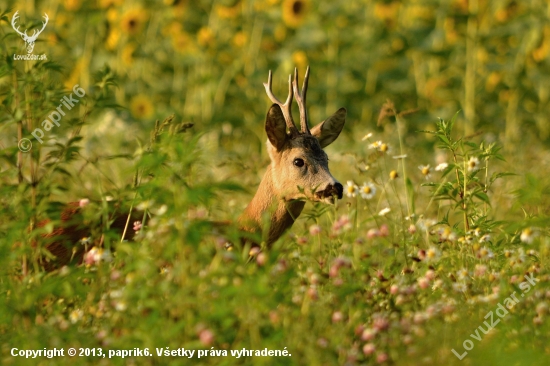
{"points": [[206, 60]]}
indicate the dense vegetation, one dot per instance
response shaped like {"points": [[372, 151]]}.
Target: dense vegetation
{"points": [[443, 222]]}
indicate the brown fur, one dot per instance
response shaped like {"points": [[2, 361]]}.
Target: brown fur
{"points": [[285, 186], [64, 242]]}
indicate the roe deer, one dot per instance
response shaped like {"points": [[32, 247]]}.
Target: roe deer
{"points": [[299, 166], [298, 171]]}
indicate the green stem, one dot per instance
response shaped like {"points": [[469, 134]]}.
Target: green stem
{"points": [[398, 123], [402, 152], [462, 193], [464, 207]]}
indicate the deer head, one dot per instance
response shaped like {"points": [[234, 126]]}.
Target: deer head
{"points": [[29, 40], [299, 164]]}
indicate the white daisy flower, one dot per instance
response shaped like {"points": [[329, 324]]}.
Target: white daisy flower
{"points": [[527, 235], [432, 254], [473, 164], [76, 315], [375, 145], [460, 287], [385, 148], [463, 273], [441, 167], [486, 253], [367, 190], [351, 189], [485, 238], [425, 170]]}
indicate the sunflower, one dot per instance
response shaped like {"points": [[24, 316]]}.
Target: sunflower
{"points": [[295, 12], [108, 3], [52, 39], [72, 5], [240, 39], [179, 7], [112, 15], [141, 107], [542, 51], [205, 36], [228, 12], [386, 11], [112, 39], [132, 21]]}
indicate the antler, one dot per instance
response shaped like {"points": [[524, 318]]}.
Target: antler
{"points": [[286, 107], [37, 33], [24, 34], [13, 19], [301, 100]]}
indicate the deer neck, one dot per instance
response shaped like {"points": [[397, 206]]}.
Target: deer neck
{"points": [[282, 213]]}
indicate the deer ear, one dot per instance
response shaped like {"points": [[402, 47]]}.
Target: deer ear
{"points": [[328, 130], [275, 127]]}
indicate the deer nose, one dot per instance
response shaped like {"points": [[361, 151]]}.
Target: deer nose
{"points": [[339, 189], [335, 189]]}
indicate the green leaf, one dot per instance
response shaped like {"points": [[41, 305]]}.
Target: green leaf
{"points": [[444, 139], [483, 196], [496, 176]]}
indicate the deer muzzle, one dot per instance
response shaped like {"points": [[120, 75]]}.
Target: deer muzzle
{"points": [[331, 190]]}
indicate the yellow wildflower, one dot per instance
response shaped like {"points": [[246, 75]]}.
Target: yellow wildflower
{"points": [[240, 39], [227, 12], [205, 36], [72, 5], [133, 20], [108, 3], [112, 39], [300, 59], [141, 107]]}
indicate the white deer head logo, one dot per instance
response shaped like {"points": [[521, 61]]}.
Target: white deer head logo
{"points": [[29, 40]]}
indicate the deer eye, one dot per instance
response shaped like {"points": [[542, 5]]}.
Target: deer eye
{"points": [[298, 162]]}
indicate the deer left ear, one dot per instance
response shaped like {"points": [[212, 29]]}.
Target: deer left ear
{"points": [[275, 127], [328, 130]]}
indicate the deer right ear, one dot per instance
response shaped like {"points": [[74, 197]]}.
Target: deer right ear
{"points": [[275, 127], [328, 130]]}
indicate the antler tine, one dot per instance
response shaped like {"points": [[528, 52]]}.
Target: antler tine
{"points": [[286, 106], [13, 20], [44, 23], [301, 100], [37, 32]]}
